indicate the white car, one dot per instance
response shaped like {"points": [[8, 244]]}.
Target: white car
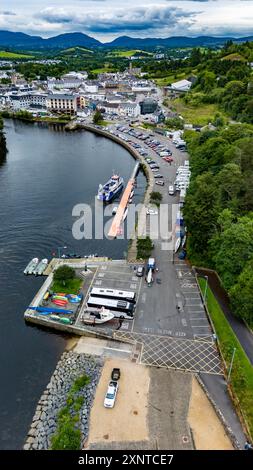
{"points": [[152, 212], [111, 394]]}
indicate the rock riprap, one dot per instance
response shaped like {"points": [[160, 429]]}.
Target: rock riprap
{"points": [[70, 367]]}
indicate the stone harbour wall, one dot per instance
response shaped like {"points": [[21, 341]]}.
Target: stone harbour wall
{"points": [[70, 367]]}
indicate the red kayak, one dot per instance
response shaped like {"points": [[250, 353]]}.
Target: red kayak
{"points": [[60, 302]]}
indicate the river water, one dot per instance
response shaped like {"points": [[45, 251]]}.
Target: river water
{"points": [[47, 172]]}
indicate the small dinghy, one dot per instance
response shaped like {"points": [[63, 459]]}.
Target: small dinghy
{"points": [[40, 268], [31, 266]]}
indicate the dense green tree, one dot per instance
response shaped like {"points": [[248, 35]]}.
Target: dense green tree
{"points": [[241, 294], [235, 249], [210, 155], [98, 117], [200, 214], [229, 181], [64, 273]]}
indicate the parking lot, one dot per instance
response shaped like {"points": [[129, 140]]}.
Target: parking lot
{"points": [[117, 275]]}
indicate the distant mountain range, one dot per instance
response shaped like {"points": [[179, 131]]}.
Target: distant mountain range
{"points": [[25, 41]]}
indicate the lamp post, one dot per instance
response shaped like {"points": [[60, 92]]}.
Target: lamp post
{"points": [[205, 292], [59, 248], [231, 365]]}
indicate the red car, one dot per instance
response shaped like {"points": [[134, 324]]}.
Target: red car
{"points": [[168, 159]]}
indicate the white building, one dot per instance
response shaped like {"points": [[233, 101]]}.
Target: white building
{"points": [[62, 103], [110, 108], [182, 85], [130, 109], [67, 83], [91, 87], [77, 75], [23, 101]]}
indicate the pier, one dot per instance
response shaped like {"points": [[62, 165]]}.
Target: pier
{"points": [[119, 216]]}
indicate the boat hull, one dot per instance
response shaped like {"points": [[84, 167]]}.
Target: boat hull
{"points": [[107, 197]]}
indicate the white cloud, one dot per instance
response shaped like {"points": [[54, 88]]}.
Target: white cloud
{"points": [[107, 19]]}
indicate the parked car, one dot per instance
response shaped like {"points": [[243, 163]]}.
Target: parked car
{"points": [[115, 375], [140, 271], [171, 190], [111, 394], [160, 183]]}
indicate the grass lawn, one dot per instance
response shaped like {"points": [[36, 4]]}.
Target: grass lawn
{"points": [[201, 114], [127, 53], [103, 70], [14, 55], [70, 50], [71, 287], [171, 78], [242, 371], [234, 56]]}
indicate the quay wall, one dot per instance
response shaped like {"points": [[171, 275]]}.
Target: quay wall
{"points": [[132, 249]]}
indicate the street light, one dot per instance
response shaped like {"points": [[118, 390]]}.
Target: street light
{"points": [[231, 364], [59, 248], [205, 292]]}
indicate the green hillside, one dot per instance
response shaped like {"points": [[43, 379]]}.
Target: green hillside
{"points": [[14, 55]]}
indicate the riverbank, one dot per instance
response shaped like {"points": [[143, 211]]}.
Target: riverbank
{"points": [[56, 398]]}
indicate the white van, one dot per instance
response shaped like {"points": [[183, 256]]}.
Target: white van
{"points": [[171, 190]]}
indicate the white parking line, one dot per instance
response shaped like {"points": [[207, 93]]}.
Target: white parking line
{"points": [[198, 318], [199, 326], [193, 305], [119, 272]]}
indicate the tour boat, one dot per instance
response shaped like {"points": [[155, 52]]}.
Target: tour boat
{"points": [[110, 189]]}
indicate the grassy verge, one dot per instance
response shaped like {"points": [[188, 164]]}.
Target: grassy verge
{"points": [[104, 123], [71, 286], [242, 372], [68, 434]]}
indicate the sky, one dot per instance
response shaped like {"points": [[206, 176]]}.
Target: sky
{"points": [[108, 19]]}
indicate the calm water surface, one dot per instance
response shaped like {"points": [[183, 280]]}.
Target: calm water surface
{"points": [[47, 172]]}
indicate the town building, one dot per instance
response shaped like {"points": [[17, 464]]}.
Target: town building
{"points": [[24, 101], [62, 104], [132, 110], [148, 106], [182, 85], [67, 83]]}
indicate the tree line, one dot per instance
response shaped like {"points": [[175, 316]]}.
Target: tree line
{"points": [[218, 210]]}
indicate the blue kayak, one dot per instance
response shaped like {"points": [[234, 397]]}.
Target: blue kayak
{"points": [[46, 310]]}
